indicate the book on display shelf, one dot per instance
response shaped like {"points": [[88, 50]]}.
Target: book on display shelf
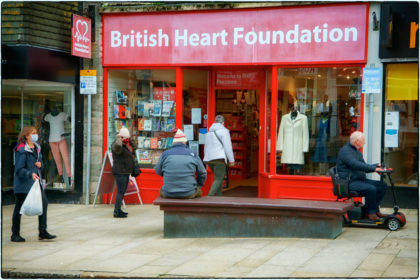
{"points": [[143, 156], [140, 108], [140, 141], [149, 109], [147, 125], [157, 108], [120, 112], [153, 143], [121, 96], [155, 156], [146, 143], [170, 124], [140, 124], [167, 108]]}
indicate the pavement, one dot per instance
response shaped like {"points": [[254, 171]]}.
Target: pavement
{"points": [[93, 244]]}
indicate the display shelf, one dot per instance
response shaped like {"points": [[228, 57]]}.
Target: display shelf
{"points": [[239, 145]]}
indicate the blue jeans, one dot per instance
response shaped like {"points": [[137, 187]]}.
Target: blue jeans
{"points": [[373, 191]]}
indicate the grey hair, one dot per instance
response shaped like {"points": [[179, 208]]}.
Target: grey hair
{"points": [[355, 136], [219, 119]]}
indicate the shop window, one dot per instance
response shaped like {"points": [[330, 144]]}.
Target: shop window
{"points": [[195, 114], [48, 108], [144, 102], [401, 125], [318, 109]]}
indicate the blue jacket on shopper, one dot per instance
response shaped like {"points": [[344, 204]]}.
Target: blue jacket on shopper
{"points": [[350, 162], [25, 159], [178, 165]]}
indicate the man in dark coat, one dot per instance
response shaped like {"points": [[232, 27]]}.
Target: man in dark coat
{"points": [[350, 162], [179, 165]]}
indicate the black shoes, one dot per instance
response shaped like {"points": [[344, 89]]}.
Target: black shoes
{"points": [[120, 214], [17, 238], [46, 235]]}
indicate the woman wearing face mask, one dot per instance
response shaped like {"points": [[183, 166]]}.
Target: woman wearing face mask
{"points": [[28, 165], [123, 165]]}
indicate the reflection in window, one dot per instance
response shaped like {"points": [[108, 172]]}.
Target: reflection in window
{"points": [[318, 108]]}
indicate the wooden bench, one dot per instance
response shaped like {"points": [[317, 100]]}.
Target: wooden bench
{"points": [[212, 216]]}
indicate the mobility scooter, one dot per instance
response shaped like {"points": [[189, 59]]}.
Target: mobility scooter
{"points": [[356, 216]]}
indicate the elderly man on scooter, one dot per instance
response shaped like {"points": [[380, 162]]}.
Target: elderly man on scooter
{"points": [[350, 162]]}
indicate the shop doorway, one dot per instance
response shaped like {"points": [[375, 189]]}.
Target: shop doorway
{"points": [[240, 108]]}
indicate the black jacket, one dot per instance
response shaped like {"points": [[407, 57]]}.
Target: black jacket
{"points": [[350, 162], [123, 158]]}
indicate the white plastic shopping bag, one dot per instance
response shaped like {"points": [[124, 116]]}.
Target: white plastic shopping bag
{"points": [[32, 206]]}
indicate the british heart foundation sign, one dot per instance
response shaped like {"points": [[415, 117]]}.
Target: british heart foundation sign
{"points": [[81, 37]]}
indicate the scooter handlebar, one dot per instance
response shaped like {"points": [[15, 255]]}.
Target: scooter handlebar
{"points": [[386, 170]]}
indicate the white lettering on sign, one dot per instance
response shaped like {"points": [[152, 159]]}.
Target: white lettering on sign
{"points": [[138, 39], [184, 38]]}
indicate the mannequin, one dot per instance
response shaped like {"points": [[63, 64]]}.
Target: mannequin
{"points": [[57, 142], [293, 138]]}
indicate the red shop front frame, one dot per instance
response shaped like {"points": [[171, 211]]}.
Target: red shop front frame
{"points": [[270, 184]]}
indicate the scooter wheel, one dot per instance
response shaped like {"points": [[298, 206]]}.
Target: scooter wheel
{"points": [[393, 224]]}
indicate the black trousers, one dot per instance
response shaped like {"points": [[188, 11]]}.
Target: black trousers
{"points": [[42, 220], [122, 183]]}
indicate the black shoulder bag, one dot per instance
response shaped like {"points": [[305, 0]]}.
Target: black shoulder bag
{"points": [[340, 185]]}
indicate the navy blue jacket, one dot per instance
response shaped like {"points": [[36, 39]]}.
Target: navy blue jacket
{"points": [[178, 165], [25, 160], [350, 162]]}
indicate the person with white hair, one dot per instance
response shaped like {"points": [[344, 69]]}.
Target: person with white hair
{"points": [[350, 163], [182, 170], [122, 167]]}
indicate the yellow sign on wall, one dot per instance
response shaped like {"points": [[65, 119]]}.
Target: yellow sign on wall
{"points": [[402, 81]]}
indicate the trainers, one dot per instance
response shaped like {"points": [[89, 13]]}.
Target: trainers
{"points": [[17, 238], [46, 235]]}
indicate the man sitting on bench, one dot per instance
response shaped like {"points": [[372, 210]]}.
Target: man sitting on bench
{"points": [[178, 165], [350, 162]]}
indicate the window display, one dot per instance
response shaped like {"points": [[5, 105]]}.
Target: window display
{"points": [[402, 123], [318, 108], [195, 114], [144, 102], [49, 109]]}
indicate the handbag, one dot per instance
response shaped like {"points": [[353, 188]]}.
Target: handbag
{"points": [[340, 185], [136, 170], [32, 206]]}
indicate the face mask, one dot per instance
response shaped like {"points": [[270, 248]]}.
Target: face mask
{"points": [[126, 141], [34, 138]]}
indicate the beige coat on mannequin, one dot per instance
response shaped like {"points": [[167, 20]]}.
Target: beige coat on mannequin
{"points": [[293, 138]]}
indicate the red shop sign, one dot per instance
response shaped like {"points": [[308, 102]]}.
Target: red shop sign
{"points": [[239, 79], [308, 34], [81, 37], [164, 93]]}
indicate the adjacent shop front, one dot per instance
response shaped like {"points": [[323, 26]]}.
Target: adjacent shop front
{"points": [[287, 80], [38, 89], [399, 51]]}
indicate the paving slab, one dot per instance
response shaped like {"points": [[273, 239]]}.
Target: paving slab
{"points": [[93, 244]]}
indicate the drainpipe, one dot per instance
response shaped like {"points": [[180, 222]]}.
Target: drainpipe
{"points": [[89, 105], [370, 129]]}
